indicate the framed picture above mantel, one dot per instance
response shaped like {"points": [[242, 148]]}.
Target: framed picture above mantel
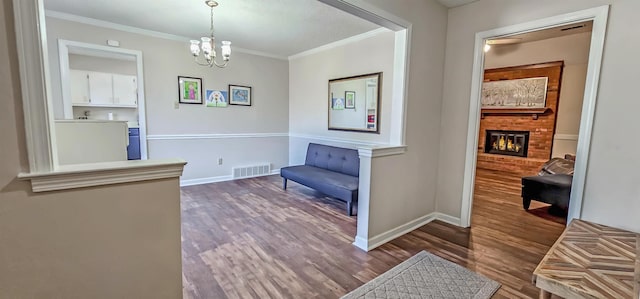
{"points": [[515, 94]]}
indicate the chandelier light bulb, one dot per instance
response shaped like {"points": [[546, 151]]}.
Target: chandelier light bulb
{"points": [[226, 50], [195, 47]]}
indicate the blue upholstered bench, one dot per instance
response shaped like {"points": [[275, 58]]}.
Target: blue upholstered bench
{"points": [[331, 170]]}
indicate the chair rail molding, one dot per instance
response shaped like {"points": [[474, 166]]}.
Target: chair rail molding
{"points": [[214, 136]]}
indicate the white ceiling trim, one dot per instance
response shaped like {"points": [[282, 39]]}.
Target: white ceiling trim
{"points": [[342, 42], [141, 31]]}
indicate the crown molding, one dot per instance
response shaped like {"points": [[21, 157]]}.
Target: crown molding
{"points": [[136, 30], [342, 42]]}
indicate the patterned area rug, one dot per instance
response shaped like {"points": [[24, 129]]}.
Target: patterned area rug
{"points": [[426, 276]]}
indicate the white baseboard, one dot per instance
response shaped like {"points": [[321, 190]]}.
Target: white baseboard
{"points": [[391, 234], [215, 179], [370, 244], [201, 181], [447, 219], [361, 243]]}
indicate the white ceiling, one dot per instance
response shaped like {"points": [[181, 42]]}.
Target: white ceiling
{"points": [[454, 3], [276, 27], [554, 32]]}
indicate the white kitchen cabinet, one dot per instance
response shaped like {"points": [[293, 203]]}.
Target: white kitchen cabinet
{"points": [[100, 88], [79, 86], [125, 90], [97, 89]]}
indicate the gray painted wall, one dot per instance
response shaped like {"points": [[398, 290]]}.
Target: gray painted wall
{"points": [[164, 60], [612, 193], [308, 89]]}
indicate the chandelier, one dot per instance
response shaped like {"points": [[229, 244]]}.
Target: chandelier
{"points": [[208, 46]]}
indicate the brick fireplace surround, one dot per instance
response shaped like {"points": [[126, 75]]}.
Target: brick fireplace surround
{"points": [[541, 130]]}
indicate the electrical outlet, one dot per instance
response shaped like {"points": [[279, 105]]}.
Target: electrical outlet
{"points": [[219, 161], [176, 105]]}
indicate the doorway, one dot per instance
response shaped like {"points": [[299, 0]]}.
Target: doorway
{"points": [[596, 15]]}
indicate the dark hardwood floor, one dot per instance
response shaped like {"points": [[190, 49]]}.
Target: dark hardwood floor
{"points": [[251, 239]]}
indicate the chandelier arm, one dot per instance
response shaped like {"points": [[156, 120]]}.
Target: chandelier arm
{"points": [[221, 65]]}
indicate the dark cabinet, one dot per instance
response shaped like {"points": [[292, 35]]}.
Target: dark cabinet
{"points": [[133, 150]]}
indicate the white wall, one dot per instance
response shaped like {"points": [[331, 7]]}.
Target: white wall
{"points": [[308, 89], [164, 60], [100, 64], [574, 51], [403, 187], [611, 193], [113, 241]]}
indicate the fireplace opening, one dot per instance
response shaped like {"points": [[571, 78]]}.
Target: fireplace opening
{"points": [[511, 143]]}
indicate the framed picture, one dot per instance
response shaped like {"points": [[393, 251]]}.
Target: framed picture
{"points": [[517, 93], [239, 95], [337, 104], [189, 90], [216, 98], [350, 99]]}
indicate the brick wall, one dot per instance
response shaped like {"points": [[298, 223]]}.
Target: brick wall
{"points": [[541, 130]]}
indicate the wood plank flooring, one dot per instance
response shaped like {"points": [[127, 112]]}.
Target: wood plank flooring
{"points": [[251, 239]]}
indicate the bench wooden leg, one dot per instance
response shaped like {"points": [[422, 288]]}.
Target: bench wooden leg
{"points": [[284, 183], [350, 208], [544, 294]]}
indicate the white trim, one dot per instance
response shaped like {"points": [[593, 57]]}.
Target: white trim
{"points": [[447, 219], [217, 179], [140, 31], [570, 137], [401, 55], [32, 48], [599, 16], [103, 105], [338, 140], [215, 136], [370, 12], [375, 241], [340, 43], [99, 174], [361, 243], [64, 47], [202, 181], [375, 152]]}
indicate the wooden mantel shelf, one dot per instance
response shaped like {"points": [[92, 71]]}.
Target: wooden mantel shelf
{"points": [[534, 112]]}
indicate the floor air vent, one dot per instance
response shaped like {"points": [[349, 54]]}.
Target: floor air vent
{"points": [[251, 171]]}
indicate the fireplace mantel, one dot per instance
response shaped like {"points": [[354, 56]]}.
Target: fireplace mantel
{"points": [[534, 112]]}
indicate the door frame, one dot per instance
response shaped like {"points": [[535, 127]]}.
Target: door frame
{"points": [[599, 16], [106, 52]]}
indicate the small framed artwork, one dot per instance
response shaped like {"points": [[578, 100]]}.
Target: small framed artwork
{"points": [[216, 98], [189, 90], [337, 104], [239, 95], [350, 99]]}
